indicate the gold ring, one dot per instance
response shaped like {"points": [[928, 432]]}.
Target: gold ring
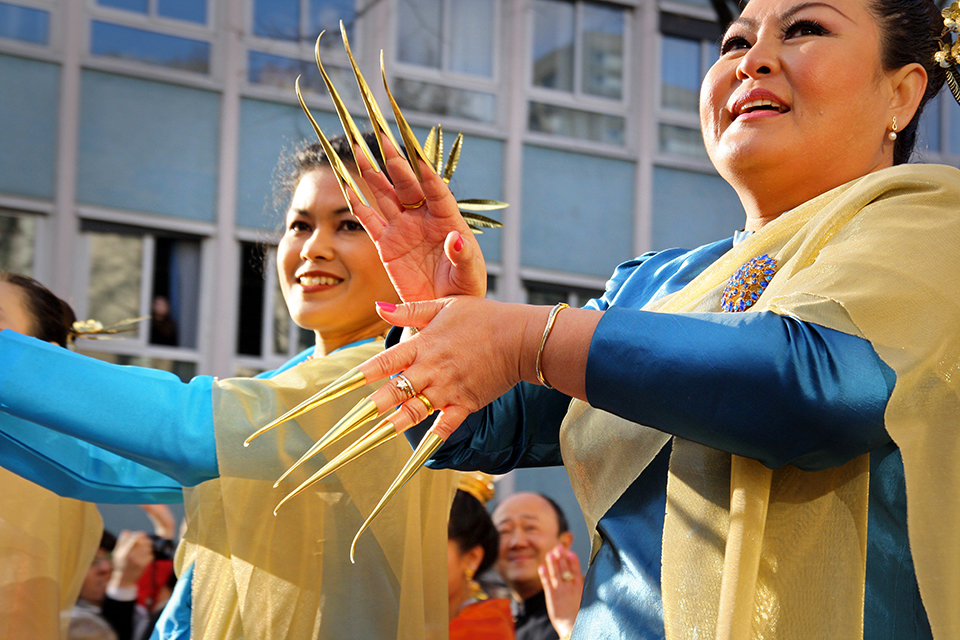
{"points": [[567, 576], [416, 205], [405, 385], [429, 405]]}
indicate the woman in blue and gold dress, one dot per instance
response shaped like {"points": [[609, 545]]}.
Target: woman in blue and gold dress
{"points": [[762, 432]]}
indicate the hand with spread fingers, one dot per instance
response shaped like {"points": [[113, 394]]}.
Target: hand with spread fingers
{"points": [[426, 246]]}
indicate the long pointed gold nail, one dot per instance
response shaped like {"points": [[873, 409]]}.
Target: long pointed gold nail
{"points": [[414, 151], [430, 443], [377, 121], [344, 178], [349, 126], [382, 433], [353, 379], [362, 412]]}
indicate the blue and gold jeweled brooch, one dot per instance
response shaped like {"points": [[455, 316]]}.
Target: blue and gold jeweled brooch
{"points": [[746, 285]]}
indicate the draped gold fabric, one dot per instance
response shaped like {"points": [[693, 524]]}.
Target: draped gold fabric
{"points": [[47, 543], [289, 576], [750, 552]]}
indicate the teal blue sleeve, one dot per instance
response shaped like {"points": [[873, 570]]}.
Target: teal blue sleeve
{"points": [[144, 416], [76, 469], [760, 385], [174, 622]]}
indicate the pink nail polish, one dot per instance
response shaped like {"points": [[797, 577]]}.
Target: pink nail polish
{"points": [[387, 306], [458, 243]]}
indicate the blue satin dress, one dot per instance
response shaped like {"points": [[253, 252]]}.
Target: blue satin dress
{"points": [[696, 375]]}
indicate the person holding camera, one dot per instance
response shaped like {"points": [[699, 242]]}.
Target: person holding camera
{"points": [[111, 587]]}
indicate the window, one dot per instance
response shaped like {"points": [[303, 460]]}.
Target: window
{"points": [[445, 56], [266, 335], [24, 24], [133, 272], [17, 242], [302, 20], [154, 32], [283, 34], [187, 10], [687, 50], [549, 293], [577, 72]]}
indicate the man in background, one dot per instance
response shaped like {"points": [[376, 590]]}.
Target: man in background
{"points": [[536, 563]]}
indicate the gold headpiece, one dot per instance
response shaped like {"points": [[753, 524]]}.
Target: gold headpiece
{"points": [[478, 484], [949, 54]]}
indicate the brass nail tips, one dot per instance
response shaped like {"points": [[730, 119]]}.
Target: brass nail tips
{"points": [[430, 443], [344, 178], [349, 126], [353, 379], [362, 412], [383, 432], [414, 150], [377, 121]]}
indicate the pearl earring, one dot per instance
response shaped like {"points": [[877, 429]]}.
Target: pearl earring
{"points": [[893, 134]]}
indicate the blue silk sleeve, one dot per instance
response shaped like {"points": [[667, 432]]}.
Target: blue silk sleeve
{"points": [[759, 385], [519, 429], [109, 429], [174, 621]]}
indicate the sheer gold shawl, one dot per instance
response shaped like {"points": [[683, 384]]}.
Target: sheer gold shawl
{"points": [[276, 577], [46, 546], [750, 552]]}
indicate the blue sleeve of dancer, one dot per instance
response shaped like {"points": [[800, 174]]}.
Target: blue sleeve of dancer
{"points": [[98, 418], [760, 385]]}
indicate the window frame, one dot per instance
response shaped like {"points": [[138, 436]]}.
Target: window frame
{"points": [[576, 99], [208, 33], [444, 77], [53, 49], [690, 28]]}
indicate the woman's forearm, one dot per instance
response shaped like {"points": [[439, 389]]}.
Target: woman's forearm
{"points": [[147, 416]]}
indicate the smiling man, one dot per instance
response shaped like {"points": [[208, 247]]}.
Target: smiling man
{"points": [[530, 525]]}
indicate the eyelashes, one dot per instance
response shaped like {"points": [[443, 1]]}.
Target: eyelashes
{"points": [[793, 29]]}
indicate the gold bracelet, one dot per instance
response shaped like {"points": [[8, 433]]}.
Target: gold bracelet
{"points": [[560, 306]]}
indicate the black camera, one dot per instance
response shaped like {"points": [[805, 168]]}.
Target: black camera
{"points": [[163, 548]]}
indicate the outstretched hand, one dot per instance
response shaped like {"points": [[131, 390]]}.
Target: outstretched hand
{"points": [[427, 248]]}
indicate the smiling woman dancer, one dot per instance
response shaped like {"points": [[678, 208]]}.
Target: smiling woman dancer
{"points": [[253, 575], [798, 477]]}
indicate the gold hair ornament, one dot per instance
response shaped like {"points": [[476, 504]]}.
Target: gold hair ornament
{"points": [[94, 329], [478, 484], [948, 56]]}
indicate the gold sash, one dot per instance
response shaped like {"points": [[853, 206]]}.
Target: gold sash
{"points": [[274, 577], [46, 546], [750, 552]]}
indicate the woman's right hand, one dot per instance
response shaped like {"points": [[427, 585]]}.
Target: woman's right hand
{"points": [[429, 252]]}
